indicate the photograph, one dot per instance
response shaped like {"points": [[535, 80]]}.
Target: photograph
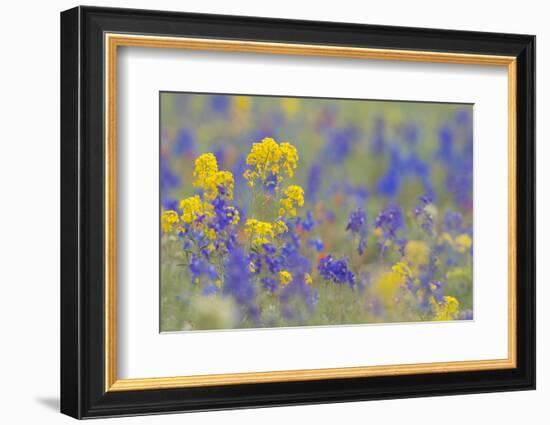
{"points": [[280, 211], [283, 210]]}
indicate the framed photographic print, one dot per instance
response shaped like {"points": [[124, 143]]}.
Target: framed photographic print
{"points": [[261, 212]]}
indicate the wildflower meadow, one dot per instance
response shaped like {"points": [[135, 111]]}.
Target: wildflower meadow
{"points": [[281, 212]]}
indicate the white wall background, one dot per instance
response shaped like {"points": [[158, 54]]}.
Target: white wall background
{"points": [[29, 213]]}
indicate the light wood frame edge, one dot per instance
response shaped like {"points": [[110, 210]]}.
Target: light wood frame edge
{"points": [[113, 41]]}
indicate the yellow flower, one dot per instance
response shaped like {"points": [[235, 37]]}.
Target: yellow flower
{"points": [[264, 156], [280, 227], [242, 102], [446, 238], [294, 197], [289, 158], [194, 208], [211, 234], [388, 285], [258, 242], [210, 180], [169, 220], [268, 157], [402, 269], [250, 176], [205, 167], [224, 180], [260, 231], [417, 253], [290, 106], [285, 277], [463, 243], [445, 310], [307, 279]]}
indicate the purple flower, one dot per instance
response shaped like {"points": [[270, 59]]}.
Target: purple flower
{"points": [[339, 144], [220, 104], [274, 263], [357, 224], [256, 260], [270, 183], [199, 267], [389, 183], [362, 245], [168, 181], [317, 244], [445, 152], [184, 143], [237, 282], [269, 284], [452, 222], [389, 220], [269, 248], [195, 267], [357, 221], [209, 290], [423, 216], [288, 249], [307, 223], [224, 214], [298, 290], [314, 181], [410, 133], [170, 204], [291, 233], [458, 164], [336, 270]]}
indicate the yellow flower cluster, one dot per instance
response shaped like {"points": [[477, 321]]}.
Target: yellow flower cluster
{"points": [[388, 284], [417, 253], [260, 231], [308, 279], [213, 183], [270, 157], [211, 234], [169, 221], [206, 166], [210, 180], [193, 208], [445, 310], [289, 158], [294, 196], [285, 277], [462, 243], [280, 227], [402, 269]]}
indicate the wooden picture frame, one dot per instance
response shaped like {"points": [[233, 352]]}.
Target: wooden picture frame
{"points": [[90, 39]]}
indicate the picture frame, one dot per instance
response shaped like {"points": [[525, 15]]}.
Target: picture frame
{"points": [[91, 38]]}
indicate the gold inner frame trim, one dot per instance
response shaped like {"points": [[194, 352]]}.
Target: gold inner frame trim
{"points": [[113, 41]]}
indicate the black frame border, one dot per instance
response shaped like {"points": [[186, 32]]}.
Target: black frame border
{"points": [[82, 205]]}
